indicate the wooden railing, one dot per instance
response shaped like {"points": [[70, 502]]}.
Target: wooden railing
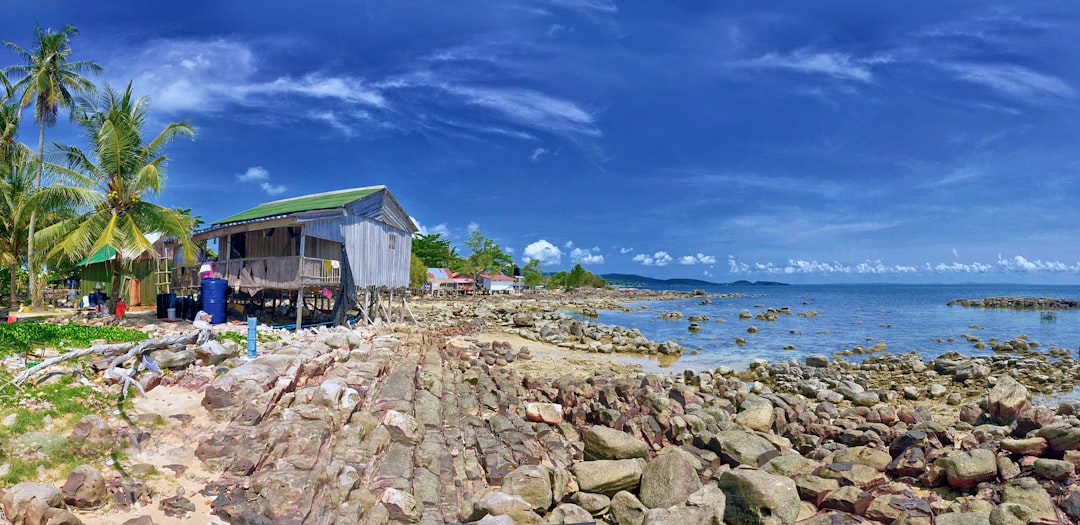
{"points": [[264, 272]]}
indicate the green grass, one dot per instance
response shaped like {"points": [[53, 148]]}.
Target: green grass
{"points": [[16, 337], [241, 338], [65, 403]]}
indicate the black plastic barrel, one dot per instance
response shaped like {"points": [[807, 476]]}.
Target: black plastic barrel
{"points": [[164, 302], [213, 298]]}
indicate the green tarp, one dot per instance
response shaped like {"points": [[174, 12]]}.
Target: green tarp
{"points": [[101, 255]]}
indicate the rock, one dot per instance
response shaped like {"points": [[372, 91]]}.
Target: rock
{"points": [[1007, 400], [757, 498], [817, 361], [1033, 446], [1010, 514], [738, 447], [93, 431], [403, 427], [626, 509], [790, 465], [936, 390], [28, 502], [851, 473], [967, 469], [814, 488], [212, 353], [569, 513], [608, 476], [607, 443], [668, 480], [523, 320], [961, 518], [141, 520], [596, 504], [173, 359], [239, 385], [755, 413], [709, 497], [1028, 492], [503, 504], [865, 399], [532, 483], [85, 487], [550, 413], [911, 392], [1071, 505], [1054, 469], [1061, 436], [843, 499]]}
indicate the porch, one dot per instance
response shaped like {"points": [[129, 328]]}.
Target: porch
{"points": [[256, 273]]}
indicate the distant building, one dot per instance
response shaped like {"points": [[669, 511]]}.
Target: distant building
{"points": [[497, 283], [441, 280]]}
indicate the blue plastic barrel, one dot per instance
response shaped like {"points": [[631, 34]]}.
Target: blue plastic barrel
{"points": [[213, 299]]}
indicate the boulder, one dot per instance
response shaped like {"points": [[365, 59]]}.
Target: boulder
{"points": [[961, 518], [85, 487], [668, 480], [1028, 492], [532, 483], [1054, 469], [213, 352], [967, 469], [1007, 400], [755, 413], [93, 431], [1011, 514], [174, 359], [28, 502], [239, 385], [569, 513], [817, 361], [627, 509], [607, 443], [754, 497], [608, 476], [550, 413], [739, 447]]}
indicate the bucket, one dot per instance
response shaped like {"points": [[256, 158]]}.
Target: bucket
{"points": [[121, 307], [213, 299], [171, 313]]}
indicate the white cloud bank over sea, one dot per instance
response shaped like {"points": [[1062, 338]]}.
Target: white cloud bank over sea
{"points": [[1017, 264]]}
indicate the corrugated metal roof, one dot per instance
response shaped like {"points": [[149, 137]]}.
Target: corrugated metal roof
{"points": [[496, 277], [438, 273], [318, 201]]}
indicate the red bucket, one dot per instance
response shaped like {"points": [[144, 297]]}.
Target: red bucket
{"points": [[121, 307]]}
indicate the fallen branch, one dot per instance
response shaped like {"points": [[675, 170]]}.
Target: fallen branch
{"points": [[130, 350]]}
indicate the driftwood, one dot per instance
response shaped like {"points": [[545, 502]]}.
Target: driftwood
{"points": [[122, 352]]}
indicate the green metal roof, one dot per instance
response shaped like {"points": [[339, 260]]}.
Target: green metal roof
{"points": [[101, 255], [318, 201]]}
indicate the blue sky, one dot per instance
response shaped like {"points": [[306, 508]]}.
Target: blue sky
{"points": [[803, 142]]}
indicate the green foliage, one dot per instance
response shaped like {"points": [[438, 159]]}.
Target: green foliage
{"points": [[577, 277], [533, 273], [17, 336], [486, 256], [241, 338], [417, 272], [434, 250]]}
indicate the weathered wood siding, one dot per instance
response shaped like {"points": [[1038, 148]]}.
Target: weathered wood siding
{"points": [[378, 254]]}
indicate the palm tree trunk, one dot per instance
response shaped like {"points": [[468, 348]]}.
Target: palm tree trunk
{"points": [[117, 282], [35, 299], [14, 283]]}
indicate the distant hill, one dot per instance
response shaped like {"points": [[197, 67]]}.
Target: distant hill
{"points": [[628, 279]]}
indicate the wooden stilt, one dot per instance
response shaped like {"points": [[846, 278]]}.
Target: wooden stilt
{"points": [[299, 307]]}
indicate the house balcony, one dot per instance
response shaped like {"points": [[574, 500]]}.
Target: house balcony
{"points": [[255, 273]]}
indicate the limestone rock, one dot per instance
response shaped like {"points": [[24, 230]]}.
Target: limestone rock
{"points": [[627, 509], [668, 480], [213, 352], [608, 476], [607, 443], [754, 497], [28, 502], [967, 469], [532, 483], [1007, 400], [85, 487]]}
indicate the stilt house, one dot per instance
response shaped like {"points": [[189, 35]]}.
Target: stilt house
{"points": [[307, 244]]}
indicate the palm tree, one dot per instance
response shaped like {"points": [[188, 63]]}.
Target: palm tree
{"points": [[50, 82], [112, 180]]}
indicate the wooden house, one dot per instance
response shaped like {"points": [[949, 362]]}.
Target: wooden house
{"points": [[146, 275], [497, 282], [303, 244]]}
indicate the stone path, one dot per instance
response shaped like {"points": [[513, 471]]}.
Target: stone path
{"points": [[399, 429]]}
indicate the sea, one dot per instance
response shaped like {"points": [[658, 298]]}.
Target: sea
{"points": [[905, 317]]}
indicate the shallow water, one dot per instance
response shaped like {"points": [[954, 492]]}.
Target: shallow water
{"points": [[905, 317]]}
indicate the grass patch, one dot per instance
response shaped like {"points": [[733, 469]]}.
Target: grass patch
{"points": [[241, 338], [16, 337]]}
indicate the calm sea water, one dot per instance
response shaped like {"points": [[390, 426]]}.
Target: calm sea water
{"points": [[905, 317]]}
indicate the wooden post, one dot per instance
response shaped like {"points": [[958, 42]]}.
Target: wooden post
{"points": [[299, 306], [390, 303]]}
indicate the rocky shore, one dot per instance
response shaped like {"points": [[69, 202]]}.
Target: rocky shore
{"points": [[1020, 303], [455, 420]]}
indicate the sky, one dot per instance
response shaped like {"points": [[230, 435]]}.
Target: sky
{"points": [[802, 142]]}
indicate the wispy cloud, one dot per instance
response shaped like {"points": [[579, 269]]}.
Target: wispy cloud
{"points": [[530, 108], [440, 228], [584, 256], [601, 6], [842, 66], [1013, 81], [956, 176], [1015, 264]]}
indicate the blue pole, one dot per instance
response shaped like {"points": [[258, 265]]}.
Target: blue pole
{"points": [[251, 338]]}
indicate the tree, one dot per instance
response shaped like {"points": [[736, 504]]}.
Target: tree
{"points": [[486, 256], [112, 180], [434, 250], [417, 271], [533, 273], [50, 82]]}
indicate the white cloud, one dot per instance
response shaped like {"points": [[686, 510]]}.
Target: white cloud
{"points": [[1013, 81], [583, 256], [602, 6], [1019, 263], [700, 258], [958, 175], [1015, 264], [253, 174], [473, 226], [838, 65], [437, 229], [530, 108], [537, 153], [736, 266], [955, 253], [543, 251], [262, 176], [625, 251], [272, 189], [569, 244], [660, 258]]}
